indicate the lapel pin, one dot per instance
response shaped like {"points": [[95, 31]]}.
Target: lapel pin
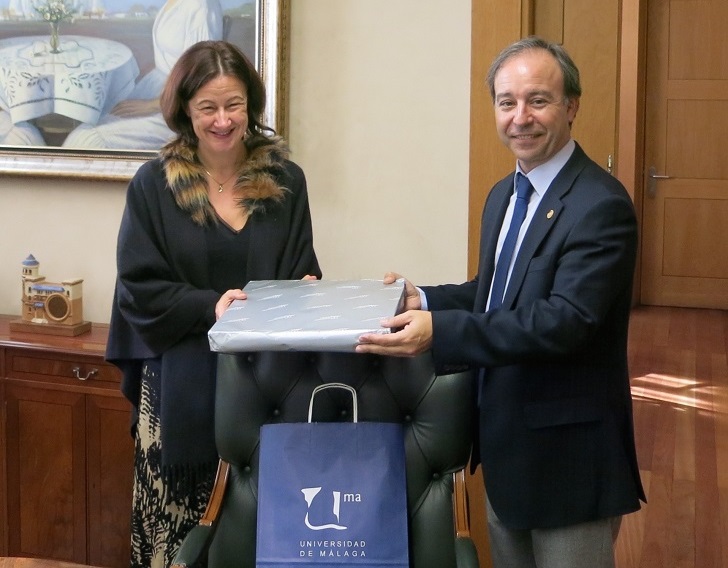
{"points": [[550, 214]]}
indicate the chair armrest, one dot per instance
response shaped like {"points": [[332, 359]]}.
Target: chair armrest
{"points": [[466, 554], [193, 550], [460, 505]]}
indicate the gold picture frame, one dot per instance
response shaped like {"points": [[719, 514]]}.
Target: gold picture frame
{"points": [[269, 51]]}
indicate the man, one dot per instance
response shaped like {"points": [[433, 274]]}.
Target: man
{"points": [[556, 439]]}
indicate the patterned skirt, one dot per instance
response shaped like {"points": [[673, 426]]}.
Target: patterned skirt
{"points": [[159, 520]]}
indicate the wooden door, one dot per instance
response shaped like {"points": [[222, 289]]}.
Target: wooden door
{"points": [[685, 206]]}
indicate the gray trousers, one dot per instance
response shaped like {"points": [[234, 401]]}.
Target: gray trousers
{"points": [[586, 545]]}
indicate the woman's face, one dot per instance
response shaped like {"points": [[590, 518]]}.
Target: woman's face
{"points": [[219, 114]]}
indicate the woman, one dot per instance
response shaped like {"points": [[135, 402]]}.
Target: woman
{"points": [[136, 122], [220, 206]]}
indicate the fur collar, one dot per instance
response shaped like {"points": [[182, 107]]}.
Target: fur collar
{"points": [[257, 186]]}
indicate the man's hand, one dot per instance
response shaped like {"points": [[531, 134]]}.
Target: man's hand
{"points": [[411, 294], [414, 337]]}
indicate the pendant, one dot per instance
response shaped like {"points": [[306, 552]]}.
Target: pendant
{"points": [[219, 189]]}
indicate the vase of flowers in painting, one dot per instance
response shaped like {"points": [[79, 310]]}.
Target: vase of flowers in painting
{"points": [[54, 12]]}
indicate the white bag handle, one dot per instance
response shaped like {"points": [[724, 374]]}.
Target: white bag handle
{"points": [[355, 403]]}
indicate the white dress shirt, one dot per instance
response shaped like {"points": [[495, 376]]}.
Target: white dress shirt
{"points": [[541, 178]]}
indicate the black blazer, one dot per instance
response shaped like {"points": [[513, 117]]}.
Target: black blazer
{"points": [[556, 437]]}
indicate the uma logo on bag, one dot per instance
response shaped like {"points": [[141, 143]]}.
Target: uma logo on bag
{"points": [[329, 548], [309, 493]]}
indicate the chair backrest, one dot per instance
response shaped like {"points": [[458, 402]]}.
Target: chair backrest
{"points": [[260, 388]]}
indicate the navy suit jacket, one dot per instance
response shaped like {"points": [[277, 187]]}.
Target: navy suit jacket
{"points": [[556, 439]]}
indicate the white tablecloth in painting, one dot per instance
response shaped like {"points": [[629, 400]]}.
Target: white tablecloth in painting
{"points": [[85, 80]]}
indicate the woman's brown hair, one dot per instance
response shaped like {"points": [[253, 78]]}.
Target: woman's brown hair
{"points": [[201, 63]]}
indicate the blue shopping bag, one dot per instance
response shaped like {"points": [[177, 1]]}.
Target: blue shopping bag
{"points": [[332, 494]]}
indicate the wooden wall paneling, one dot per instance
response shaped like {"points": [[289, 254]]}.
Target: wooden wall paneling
{"points": [[629, 159], [495, 24], [547, 20]]}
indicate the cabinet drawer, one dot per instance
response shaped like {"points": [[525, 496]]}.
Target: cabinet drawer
{"points": [[45, 366]]}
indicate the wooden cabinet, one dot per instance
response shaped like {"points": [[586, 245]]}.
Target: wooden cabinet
{"points": [[67, 461]]}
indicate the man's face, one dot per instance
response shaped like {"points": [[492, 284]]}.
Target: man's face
{"points": [[531, 114]]}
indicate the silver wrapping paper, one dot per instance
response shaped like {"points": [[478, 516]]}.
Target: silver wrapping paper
{"points": [[305, 315]]}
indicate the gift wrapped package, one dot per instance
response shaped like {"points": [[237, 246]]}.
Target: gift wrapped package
{"points": [[306, 315]]}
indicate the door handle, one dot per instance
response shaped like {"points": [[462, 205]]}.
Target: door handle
{"points": [[652, 181]]}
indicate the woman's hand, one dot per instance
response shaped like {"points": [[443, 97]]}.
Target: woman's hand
{"points": [[132, 108], [226, 299]]}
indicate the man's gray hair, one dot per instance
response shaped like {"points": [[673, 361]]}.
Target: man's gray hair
{"points": [[572, 85]]}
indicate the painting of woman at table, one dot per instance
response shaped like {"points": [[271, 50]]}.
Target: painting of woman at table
{"points": [[136, 122], [126, 48]]}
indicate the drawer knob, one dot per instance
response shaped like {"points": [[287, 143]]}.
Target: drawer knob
{"points": [[77, 374]]}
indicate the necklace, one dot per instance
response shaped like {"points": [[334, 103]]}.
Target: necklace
{"points": [[220, 184]]}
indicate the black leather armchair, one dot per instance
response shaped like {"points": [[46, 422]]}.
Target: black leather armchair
{"points": [[258, 388]]}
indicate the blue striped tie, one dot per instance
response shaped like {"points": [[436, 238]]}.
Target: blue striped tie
{"points": [[523, 193]]}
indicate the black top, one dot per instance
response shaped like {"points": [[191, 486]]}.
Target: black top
{"points": [[228, 251], [171, 273]]}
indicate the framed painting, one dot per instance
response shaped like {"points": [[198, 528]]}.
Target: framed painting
{"points": [[79, 97]]}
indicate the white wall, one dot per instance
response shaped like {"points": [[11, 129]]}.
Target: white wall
{"points": [[379, 121]]}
